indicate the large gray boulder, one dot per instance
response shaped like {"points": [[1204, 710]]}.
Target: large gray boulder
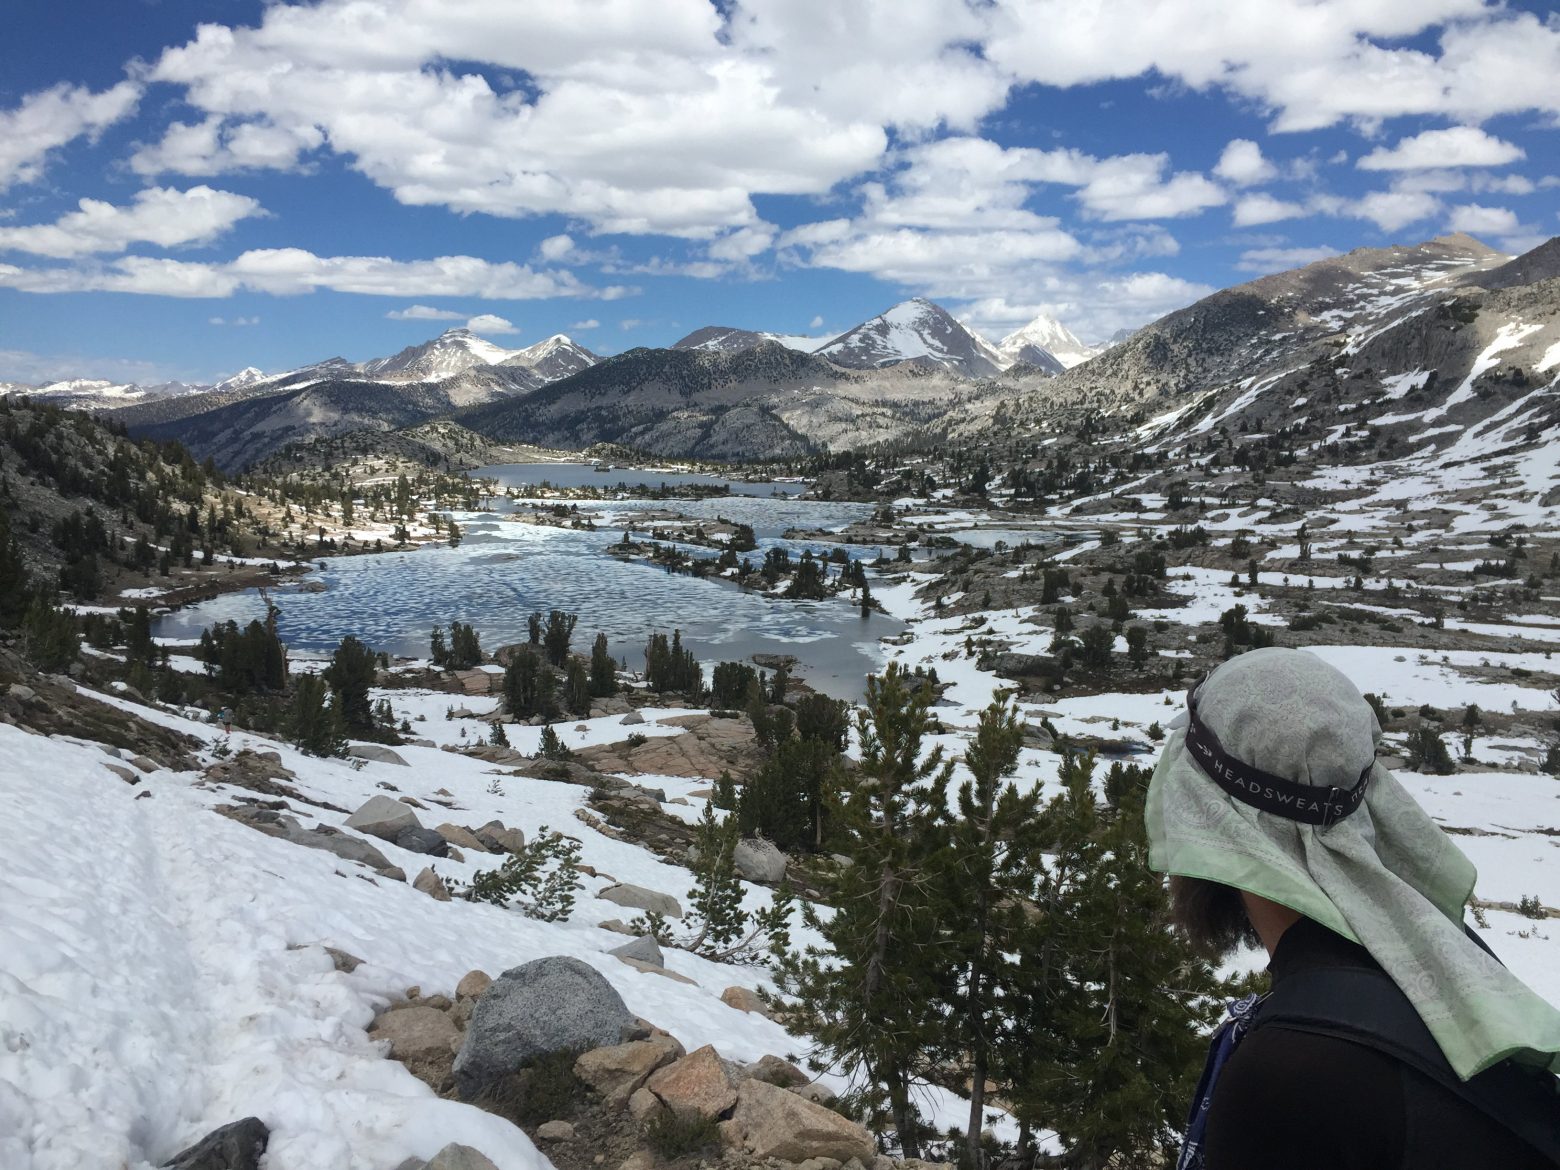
{"points": [[417, 839], [644, 948], [236, 1146], [557, 1004], [378, 753], [759, 861], [383, 817], [639, 898]]}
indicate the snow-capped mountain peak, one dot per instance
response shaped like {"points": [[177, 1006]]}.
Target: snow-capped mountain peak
{"points": [[248, 376], [445, 356], [915, 330], [1045, 337], [555, 357]]}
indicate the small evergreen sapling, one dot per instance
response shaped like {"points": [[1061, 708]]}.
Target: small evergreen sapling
{"points": [[540, 881]]}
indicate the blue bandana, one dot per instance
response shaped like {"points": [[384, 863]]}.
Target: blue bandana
{"points": [[1222, 1047]]}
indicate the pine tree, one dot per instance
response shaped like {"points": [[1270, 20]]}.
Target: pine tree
{"points": [[528, 685], [991, 881], [438, 651], [351, 674], [716, 899], [315, 719], [560, 631], [1114, 1008], [868, 995], [15, 584], [603, 671], [576, 688], [550, 747]]}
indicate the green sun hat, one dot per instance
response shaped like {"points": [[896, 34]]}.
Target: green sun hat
{"points": [[1272, 787]]}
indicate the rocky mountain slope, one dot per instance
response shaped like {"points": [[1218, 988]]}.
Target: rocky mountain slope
{"points": [[915, 331], [1410, 343], [727, 339], [767, 401]]}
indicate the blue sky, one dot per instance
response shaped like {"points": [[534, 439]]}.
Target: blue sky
{"points": [[187, 188]]}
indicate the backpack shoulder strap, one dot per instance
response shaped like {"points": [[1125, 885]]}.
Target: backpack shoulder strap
{"points": [[1365, 1007]]}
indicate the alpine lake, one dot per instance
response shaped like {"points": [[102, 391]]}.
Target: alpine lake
{"points": [[506, 568]]}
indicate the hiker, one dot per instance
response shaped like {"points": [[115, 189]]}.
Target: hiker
{"points": [[225, 717], [1392, 1037]]}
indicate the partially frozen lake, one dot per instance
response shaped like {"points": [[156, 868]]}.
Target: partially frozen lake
{"points": [[504, 570]]}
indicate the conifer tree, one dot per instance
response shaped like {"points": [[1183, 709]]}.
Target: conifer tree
{"points": [[438, 650], [15, 585], [1114, 1007], [603, 671], [315, 719], [869, 994], [528, 685], [995, 861], [560, 631], [577, 688], [350, 674]]}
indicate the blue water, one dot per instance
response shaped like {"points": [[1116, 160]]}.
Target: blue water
{"points": [[504, 570], [573, 475]]}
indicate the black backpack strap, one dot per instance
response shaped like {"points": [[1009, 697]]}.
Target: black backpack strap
{"points": [[1365, 1007]]}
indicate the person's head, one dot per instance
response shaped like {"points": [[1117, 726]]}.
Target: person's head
{"points": [[1267, 796]]}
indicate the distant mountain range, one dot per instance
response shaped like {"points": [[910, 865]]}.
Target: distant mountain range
{"points": [[1414, 342]]}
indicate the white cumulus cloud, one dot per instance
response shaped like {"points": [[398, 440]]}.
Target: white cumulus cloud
{"points": [[489, 323], [1242, 164], [1456, 146], [50, 118], [291, 271], [158, 215]]}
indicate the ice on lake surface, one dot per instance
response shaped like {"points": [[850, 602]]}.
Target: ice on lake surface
{"points": [[504, 570], [575, 475]]}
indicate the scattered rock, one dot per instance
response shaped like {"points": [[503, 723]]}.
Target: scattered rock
{"points": [[348, 848], [461, 836], [499, 838], [23, 693], [639, 898], [472, 984], [128, 775], [745, 999], [776, 1071], [638, 1160], [431, 884], [377, 753], [236, 1146], [555, 1131], [549, 1005], [644, 948], [643, 1106], [144, 764], [759, 861], [632, 719], [420, 1038], [617, 926], [698, 1085], [770, 1122], [617, 1072], [416, 839], [383, 817], [458, 1157], [652, 969], [343, 960]]}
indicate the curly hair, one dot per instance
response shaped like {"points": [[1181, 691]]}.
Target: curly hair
{"points": [[1211, 916]]}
